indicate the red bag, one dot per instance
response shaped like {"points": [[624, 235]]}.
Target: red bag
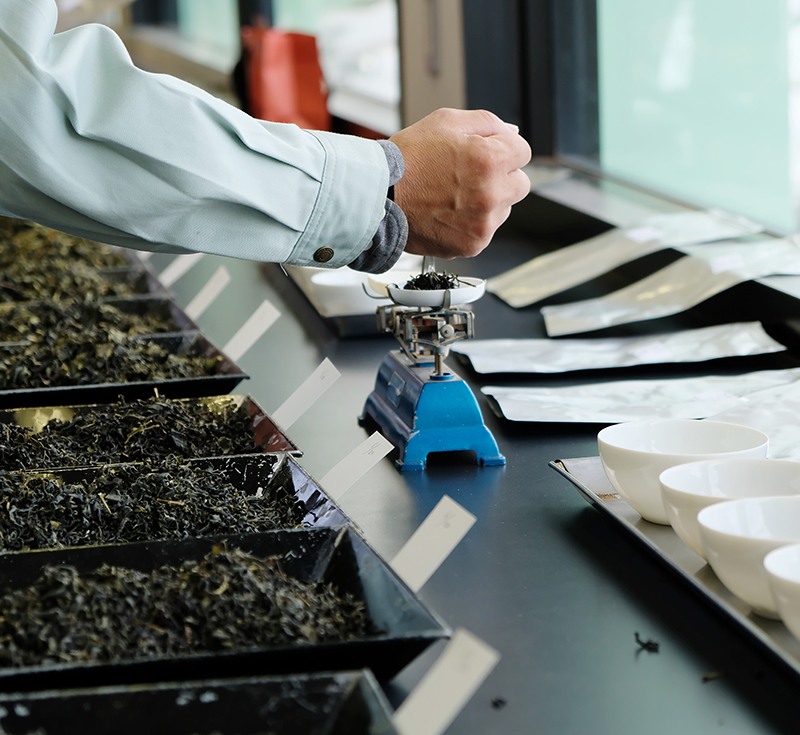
{"points": [[283, 78]]}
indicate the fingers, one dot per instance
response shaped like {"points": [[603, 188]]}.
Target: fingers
{"points": [[514, 148], [519, 185]]}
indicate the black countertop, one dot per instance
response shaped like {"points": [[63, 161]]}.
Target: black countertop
{"points": [[555, 587]]}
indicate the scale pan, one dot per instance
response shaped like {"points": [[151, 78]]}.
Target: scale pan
{"points": [[468, 290]]}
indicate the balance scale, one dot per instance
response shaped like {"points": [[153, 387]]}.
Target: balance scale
{"points": [[418, 404]]}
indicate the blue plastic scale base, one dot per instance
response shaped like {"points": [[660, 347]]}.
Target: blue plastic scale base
{"points": [[422, 413]]}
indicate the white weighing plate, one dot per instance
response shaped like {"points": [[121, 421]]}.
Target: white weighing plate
{"points": [[469, 290]]}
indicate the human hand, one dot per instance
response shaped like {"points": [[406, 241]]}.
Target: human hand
{"points": [[462, 174]]}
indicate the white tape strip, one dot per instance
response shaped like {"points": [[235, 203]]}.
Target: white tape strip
{"points": [[263, 318], [208, 293], [144, 255], [355, 465], [447, 687], [178, 267], [432, 543], [306, 395]]}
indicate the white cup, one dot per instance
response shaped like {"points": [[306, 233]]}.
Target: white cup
{"points": [[634, 454]]}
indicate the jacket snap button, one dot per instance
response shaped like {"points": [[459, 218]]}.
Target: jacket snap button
{"points": [[323, 255]]}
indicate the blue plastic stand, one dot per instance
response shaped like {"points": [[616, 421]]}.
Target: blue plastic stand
{"points": [[420, 413]]}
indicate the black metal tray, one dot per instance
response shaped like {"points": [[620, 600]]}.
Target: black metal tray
{"points": [[227, 377], [249, 473], [267, 437], [345, 703], [588, 476], [402, 626]]}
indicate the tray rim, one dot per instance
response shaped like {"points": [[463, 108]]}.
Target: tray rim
{"points": [[725, 603]]}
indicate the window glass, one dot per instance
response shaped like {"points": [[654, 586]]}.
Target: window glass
{"points": [[694, 98], [212, 23]]}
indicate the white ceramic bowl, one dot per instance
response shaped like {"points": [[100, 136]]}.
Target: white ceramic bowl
{"points": [[737, 535], [688, 488], [783, 576], [634, 454]]}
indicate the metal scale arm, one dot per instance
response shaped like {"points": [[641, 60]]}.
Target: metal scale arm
{"points": [[425, 335]]}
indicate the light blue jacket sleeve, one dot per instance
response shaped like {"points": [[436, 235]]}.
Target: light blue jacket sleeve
{"points": [[91, 145]]}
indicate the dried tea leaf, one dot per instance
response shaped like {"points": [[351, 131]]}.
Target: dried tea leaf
{"points": [[228, 601], [41, 320], [59, 360], [37, 262], [430, 281]]}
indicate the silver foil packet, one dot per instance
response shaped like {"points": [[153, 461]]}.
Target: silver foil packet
{"points": [[573, 265], [564, 355], [634, 400], [706, 271], [776, 412]]}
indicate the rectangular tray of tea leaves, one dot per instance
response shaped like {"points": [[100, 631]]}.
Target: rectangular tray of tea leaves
{"points": [[345, 703], [202, 371], [397, 627], [85, 435], [21, 322], [127, 503]]}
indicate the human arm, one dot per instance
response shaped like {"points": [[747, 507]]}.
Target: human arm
{"points": [[94, 146]]}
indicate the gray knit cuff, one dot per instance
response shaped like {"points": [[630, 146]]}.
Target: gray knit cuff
{"points": [[389, 241]]}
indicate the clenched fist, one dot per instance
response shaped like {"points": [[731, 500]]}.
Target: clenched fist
{"points": [[462, 175]]}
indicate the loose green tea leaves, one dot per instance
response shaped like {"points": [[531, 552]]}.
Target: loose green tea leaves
{"points": [[37, 262], [42, 319], [61, 360], [431, 281], [130, 503], [228, 601], [140, 431]]}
